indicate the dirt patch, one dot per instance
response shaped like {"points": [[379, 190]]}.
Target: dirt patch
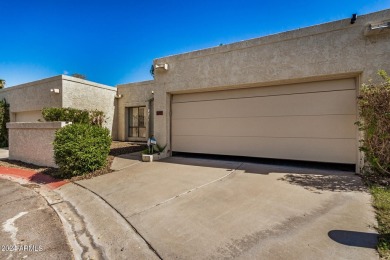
{"points": [[31, 185], [336, 183], [376, 179], [118, 148]]}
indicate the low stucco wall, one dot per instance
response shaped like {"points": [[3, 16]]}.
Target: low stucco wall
{"points": [[32, 142]]}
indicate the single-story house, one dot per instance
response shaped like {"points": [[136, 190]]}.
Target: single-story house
{"points": [[27, 100], [290, 95]]}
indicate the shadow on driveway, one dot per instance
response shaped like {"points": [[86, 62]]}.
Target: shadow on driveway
{"points": [[337, 183], [354, 238]]}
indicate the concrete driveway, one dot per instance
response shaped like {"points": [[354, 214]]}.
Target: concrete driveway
{"points": [[207, 209]]}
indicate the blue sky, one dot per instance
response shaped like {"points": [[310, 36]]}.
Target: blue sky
{"points": [[114, 42]]}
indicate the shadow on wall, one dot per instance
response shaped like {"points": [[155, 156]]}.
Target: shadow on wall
{"points": [[314, 182], [354, 238]]}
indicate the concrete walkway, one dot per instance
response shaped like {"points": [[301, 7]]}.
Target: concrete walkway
{"points": [[183, 208], [200, 209], [93, 229]]}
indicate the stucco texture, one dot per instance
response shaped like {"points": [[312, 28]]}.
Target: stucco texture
{"points": [[33, 142], [27, 100], [133, 95], [83, 94], [333, 50]]}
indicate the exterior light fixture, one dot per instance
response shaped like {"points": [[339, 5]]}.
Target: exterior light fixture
{"points": [[55, 90], [380, 26], [119, 96], [353, 19], [163, 66]]}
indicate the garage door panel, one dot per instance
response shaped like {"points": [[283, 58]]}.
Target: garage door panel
{"points": [[307, 123], [329, 126], [322, 150], [330, 85], [324, 103]]}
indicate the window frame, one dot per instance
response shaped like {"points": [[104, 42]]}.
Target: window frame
{"points": [[140, 118]]}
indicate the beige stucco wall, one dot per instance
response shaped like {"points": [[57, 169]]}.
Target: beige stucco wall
{"points": [[329, 51], [27, 99], [28, 116], [32, 142], [84, 94], [133, 95]]}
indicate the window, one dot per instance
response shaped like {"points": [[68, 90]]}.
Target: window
{"points": [[137, 126]]}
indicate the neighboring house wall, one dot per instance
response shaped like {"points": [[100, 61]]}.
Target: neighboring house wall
{"points": [[133, 95], [83, 94], [27, 100], [33, 142], [329, 51]]}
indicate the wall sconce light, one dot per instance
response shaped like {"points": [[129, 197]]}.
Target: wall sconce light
{"points": [[380, 26], [55, 90], [119, 96], [163, 66], [353, 19]]}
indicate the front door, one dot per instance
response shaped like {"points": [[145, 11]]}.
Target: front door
{"points": [[137, 126]]}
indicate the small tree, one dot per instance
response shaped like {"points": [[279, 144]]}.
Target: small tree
{"points": [[4, 119], [78, 75], [2, 83], [374, 111]]}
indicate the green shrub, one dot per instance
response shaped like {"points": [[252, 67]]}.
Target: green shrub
{"points": [[81, 148], [93, 117], [381, 203], [374, 111], [4, 119], [157, 149]]}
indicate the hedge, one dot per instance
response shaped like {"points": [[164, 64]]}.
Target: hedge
{"points": [[93, 117], [81, 148], [4, 119], [374, 111]]}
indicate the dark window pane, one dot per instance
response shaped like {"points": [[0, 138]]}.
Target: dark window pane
{"points": [[137, 122]]}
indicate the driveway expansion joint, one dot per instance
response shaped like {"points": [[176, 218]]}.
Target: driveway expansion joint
{"points": [[188, 191], [124, 218]]}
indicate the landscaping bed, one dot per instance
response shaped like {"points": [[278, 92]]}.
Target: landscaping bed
{"points": [[381, 203], [379, 186], [117, 148]]}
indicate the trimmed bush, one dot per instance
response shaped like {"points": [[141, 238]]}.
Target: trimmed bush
{"points": [[81, 148], [374, 111], [93, 117], [4, 119]]}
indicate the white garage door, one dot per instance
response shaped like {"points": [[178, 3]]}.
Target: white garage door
{"points": [[307, 121]]}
